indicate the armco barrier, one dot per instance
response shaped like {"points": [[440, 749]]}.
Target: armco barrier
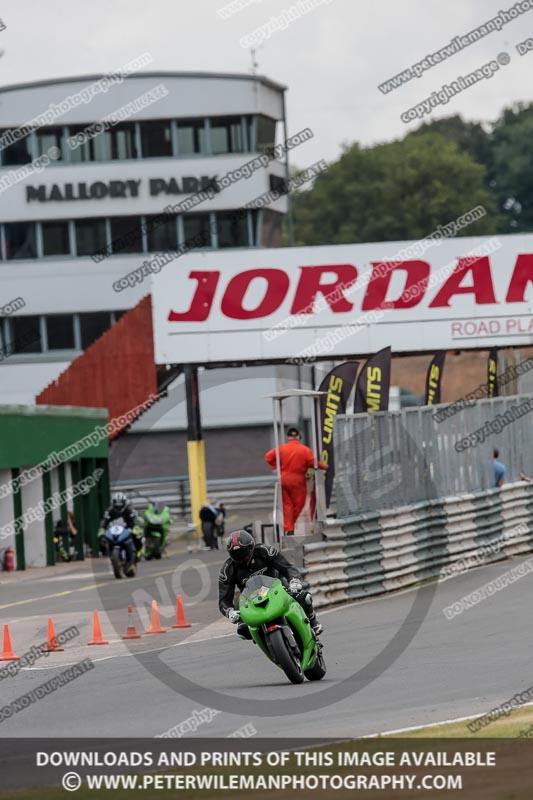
{"points": [[238, 494], [368, 554]]}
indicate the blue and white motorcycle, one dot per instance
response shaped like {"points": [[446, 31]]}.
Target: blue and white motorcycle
{"points": [[121, 550]]}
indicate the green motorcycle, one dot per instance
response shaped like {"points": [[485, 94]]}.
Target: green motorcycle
{"points": [[157, 522], [279, 625]]}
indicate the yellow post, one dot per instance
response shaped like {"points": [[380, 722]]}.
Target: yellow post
{"points": [[197, 480], [195, 446]]}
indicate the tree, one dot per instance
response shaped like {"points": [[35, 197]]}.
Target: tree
{"points": [[470, 137], [395, 191], [511, 173]]}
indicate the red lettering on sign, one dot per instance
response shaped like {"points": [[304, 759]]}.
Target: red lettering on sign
{"points": [[416, 281], [481, 287], [310, 286], [202, 300], [523, 273], [276, 289]]}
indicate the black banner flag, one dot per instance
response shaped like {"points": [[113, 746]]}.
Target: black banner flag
{"points": [[373, 383], [338, 384], [493, 389], [434, 378]]}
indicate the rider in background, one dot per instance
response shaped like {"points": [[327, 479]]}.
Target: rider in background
{"points": [[247, 557], [210, 516], [120, 509]]}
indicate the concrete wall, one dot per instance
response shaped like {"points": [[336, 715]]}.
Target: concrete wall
{"points": [[230, 453]]}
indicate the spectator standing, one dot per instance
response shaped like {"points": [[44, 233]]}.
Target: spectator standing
{"points": [[499, 469]]}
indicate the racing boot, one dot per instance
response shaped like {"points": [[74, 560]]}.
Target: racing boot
{"points": [[243, 631], [316, 626]]}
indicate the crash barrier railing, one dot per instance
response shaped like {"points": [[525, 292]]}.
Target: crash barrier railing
{"points": [[238, 494], [389, 458], [367, 554]]}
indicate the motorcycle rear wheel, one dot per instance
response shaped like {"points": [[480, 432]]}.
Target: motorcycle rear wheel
{"points": [[116, 562], [288, 663]]}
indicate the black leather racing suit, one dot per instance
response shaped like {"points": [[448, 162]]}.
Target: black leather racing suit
{"points": [[130, 518], [271, 562]]}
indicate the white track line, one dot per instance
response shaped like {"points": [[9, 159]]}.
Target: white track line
{"points": [[430, 725], [127, 655]]}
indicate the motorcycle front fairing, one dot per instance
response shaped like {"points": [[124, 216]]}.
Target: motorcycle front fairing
{"points": [[265, 605]]}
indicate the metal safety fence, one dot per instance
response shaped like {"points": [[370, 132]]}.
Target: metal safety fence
{"points": [[368, 554], [238, 494], [391, 458]]}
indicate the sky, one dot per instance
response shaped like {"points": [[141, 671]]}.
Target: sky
{"points": [[331, 57]]}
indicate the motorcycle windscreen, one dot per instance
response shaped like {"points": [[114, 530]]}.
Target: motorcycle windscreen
{"points": [[257, 587]]}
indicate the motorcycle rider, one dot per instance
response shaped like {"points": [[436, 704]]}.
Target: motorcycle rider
{"points": [[247, 557], [120, 509], [158, 509]]}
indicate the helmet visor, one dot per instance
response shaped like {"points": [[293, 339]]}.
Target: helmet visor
{"points": [[241, 554]]}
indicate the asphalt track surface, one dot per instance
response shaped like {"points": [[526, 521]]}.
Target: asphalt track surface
{"points": [[437, 669]]}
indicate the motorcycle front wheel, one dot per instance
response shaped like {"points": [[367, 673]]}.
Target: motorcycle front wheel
{"points": [[116, 563], [318, 670], [288, 663]]}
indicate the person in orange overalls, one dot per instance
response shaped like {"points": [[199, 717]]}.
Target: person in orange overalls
{"points": [[295, 459]]}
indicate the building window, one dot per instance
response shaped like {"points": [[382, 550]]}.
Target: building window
{"points": [[55, 239], [90, 236], [266, 134], [254, 214], [60, 331], [227, 135], [271, 228], [249, 123], [196, 230], [191, 136], [278, 184], [156, 139], [126, 235], [122, 141], [17, 153], [25, 334], [232, 227], [162, 235], [93, 325], [94, 149], [48, 138], [20, 240]]}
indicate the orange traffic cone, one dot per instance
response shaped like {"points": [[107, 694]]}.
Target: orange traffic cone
{"points": [[51, 645], [131, 632], [97, 631], [155, 626], [7, 650], [181, 622]]}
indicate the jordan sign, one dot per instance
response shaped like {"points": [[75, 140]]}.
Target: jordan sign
{"points": [[307, 303]]}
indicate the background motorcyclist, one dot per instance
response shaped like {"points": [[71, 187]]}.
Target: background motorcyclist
{"points": [[209, 514], [63, 537], [120, 509], [162, 512], [247, 557]]}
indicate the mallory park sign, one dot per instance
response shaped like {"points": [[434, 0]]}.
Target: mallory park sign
{"points": [[99, 190]]}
